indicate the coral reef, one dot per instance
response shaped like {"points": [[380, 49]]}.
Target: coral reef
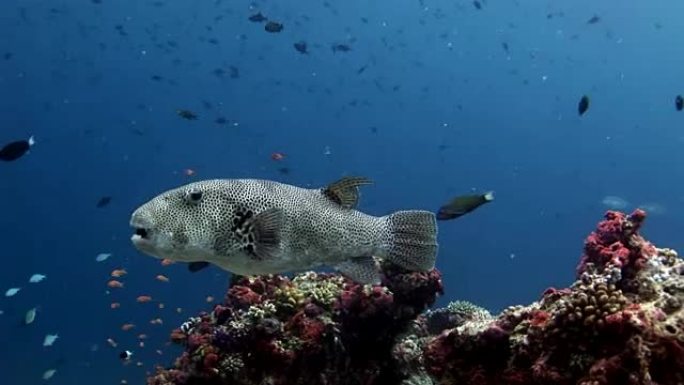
{"points": [[312, 329], [620, 322]]}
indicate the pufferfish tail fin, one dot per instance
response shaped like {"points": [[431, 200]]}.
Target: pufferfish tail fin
{"points": [[412, 239]]}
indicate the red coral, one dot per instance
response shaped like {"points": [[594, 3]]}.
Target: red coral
{"points": [[616, 242]]}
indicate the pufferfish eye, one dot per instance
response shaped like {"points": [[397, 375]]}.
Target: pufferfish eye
{"points": [[193, 195]]}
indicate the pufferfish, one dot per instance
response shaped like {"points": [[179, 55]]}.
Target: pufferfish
{"points": [[254, 227]]}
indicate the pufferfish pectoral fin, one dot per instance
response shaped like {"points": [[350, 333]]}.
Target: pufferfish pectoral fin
{"points": [[345, 192], [363, 270], [262, 233], [194, 267]]}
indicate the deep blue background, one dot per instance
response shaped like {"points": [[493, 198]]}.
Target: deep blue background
{"points": [[453, 112]]}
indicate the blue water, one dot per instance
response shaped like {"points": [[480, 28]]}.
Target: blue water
{"points": [[440, 109]]}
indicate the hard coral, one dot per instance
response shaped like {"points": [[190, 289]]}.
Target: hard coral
{"points": [[614, 325], [313, 329]]}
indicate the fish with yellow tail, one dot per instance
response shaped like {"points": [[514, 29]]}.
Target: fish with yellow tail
{"points": [[252, 227]]}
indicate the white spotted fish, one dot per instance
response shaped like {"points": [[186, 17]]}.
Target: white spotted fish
{"points": [[252, 227]]}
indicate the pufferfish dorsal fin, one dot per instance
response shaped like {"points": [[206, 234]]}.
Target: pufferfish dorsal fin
{"points": [[345, 192], [260, 234]]}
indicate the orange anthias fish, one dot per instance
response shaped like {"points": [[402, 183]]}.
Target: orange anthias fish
{"points": [[162, 278], [143, 299], [117, 273], [114, 284], [115, 305], [277, 156], [167, 262], [189, 172], [127, 327]]}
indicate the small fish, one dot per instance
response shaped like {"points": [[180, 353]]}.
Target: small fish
{"points": [[142, 336], [273, 27], [50, 339], [114, 284], [257, 18], [583, 105], [277, 156], [112, 343], [269, 233], [187, 114], [48, 374], [12, 292], [118, 273], [30, 316], [209, 299], [679, 103], [341, 48], [143, 299], [189, 172], [462, 205], [301, 47], [104, 201], [114, 305], [594, 19], [102, 257], [161, 305], [35, 278], [15, 150], [162, 278], [126, 355], [157, 321], [127, 327], [477, 4], [614, 202], [167, 262]]}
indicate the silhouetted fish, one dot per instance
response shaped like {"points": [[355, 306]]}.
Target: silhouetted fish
{"points": [[273, 27], [301, 47], [583, 105], [679, 102], [258, 18], [462, 205], [15, 150], [104, 201]]}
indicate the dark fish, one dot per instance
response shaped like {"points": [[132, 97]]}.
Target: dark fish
{"points": [[125, 355], [104, 201], [8, 55], [186, 114], [258, 18], [462, 205], [341, 48], [156, 78], [594, 19], [273, 27], [15, 150], [221, 120], [679, 102], [583, 105], [301, 47], [505, 46], [284, 170], [477, 4], [194, 267]]}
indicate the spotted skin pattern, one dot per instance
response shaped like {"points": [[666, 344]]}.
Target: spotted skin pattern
{"points": [[250, 226]]}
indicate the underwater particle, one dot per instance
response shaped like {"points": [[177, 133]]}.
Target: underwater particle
{"points": [[30, 316], [186, 114], [463, 204], [679, 102], [255, 218], [273, 27], [104, 201], [15, 150], [50, 339], [594, 19], [102, 257], [301, 47], [35, 278], [614, 202], [12, 291], [257, 18], [583, 105], [48, 374]]}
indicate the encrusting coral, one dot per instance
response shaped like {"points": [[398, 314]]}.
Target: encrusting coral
{"points": [[620, 322]]}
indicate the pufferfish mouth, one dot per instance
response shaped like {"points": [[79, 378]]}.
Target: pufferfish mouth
{"points": [[141, 232]]}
